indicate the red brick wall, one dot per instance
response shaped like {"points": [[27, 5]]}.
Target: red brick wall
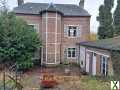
{"points": [[62, 42], [53, 35], [98, 64], [84, 24], [106, 52]]}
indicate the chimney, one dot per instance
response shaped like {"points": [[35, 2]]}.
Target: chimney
{"points": [[81, 3], [20, 2]]}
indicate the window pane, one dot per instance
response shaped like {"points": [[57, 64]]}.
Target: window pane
{"points": [[73, 49], [103, 60], [104, 71], [103, 66], [31, 26], [73, 53], [69, 49], [70, 27], [74, 28], [69, 33], [69, 53], [74, 33]]}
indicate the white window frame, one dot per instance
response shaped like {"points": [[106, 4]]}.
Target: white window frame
{"points": [[99, 53], [36, 27], [77, 28], [71, 54]]}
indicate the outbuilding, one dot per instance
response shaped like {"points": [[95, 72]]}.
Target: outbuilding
{"points": [[96, 57]]}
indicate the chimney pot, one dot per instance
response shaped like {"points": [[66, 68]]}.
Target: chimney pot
{"points": [[20, 2], [81, 3]]}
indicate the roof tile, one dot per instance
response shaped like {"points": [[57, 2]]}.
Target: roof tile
{"points": [[36, 8]]}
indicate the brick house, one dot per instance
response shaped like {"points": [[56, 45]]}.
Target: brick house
{"points": [[96, 56], [60, 27]]}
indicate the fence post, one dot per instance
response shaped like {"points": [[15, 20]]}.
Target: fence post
{"points": [[4, 79]]}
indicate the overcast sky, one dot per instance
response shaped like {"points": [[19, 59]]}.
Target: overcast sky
{"points": [[91, 6]]}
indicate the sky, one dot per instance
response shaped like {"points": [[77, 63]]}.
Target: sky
{"points": [[92, 6]]}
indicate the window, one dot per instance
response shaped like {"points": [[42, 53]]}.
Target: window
{"points": [[71, 52], [31, 26], [35, 26], [104, 65], [71, 31]]}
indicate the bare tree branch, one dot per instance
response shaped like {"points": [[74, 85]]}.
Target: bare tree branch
{"points": [[3, 5]]}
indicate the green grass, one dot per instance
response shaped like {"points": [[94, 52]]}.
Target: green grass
{"points": [[92, 83]]}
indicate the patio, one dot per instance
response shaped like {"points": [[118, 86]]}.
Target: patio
{"points": [[31, 80]]}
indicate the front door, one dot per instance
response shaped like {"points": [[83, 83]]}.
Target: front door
{"points": [[94, 64]]}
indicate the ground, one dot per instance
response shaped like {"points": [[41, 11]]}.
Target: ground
{"points": [[74, 81]]}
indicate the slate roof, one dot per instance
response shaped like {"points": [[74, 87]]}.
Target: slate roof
{"points": [[37, 8], [51, 8], [108, 44]]}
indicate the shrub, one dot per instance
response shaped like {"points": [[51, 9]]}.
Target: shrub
{"points": [[18, 41]]}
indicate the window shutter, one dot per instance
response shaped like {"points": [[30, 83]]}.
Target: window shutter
{"points": [[78, 31], [65, 30]]}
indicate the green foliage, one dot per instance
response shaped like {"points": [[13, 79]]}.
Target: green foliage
{"points": [[105, 29], [116, 63], [117, 19], [18, 41], [93, 83]]}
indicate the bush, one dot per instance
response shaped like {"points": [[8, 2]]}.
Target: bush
{"points": [[18, 41], [115, 56]]}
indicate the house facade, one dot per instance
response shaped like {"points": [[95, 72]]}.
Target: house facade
{"points": [[96, 56], [60, 26]]}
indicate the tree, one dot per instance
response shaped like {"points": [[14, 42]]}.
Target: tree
{"points": [[117, 19], [18, 41], [3, 5], [93, 36], [105, 29]]}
